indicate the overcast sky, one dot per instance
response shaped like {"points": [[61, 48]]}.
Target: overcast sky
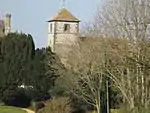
{"points": [[30, 16]]}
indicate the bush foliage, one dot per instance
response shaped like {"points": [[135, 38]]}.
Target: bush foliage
{"points": [[58, 105]]}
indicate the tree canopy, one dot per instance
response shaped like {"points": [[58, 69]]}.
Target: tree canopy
{"points": [[25, 71], [16, 51]]}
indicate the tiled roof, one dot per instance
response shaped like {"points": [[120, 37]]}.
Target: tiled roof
{"points": [[64, 15]]}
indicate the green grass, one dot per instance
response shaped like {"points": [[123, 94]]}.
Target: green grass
{"points": [[115, 111], [8, 109]]}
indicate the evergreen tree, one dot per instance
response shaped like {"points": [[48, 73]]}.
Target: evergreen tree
{"points": [[46, 68], [16, 53]]}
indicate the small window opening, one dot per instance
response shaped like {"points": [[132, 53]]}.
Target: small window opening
{"points": [[66, 27]]}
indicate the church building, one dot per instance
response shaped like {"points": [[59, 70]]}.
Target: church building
{"points": [[63, 28], [63, 31]]}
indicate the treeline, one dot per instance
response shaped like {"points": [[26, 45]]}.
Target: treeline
{"points": [[110, 74], [26, 74], [108, 71]]}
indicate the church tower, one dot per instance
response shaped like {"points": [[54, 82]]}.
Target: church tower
{"points": [[63, 30]]}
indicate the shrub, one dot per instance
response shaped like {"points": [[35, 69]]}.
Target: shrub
{"points": [[16, 97], [58, 105], [79, 106], [37, 106], [1, 103]]}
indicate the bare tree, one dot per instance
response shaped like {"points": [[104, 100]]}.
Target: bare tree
{"points": [[128, 19], [124, 59], [123, 18], [87, 77]]}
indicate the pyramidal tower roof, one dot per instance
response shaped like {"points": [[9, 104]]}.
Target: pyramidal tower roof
{"points": [[64, 15]]}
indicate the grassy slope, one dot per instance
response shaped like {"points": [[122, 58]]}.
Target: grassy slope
{"points": [[7, 109]]}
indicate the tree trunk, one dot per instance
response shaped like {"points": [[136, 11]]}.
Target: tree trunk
{"points": [[98, 108], [142, 80], [107, 96], [132, 103]]}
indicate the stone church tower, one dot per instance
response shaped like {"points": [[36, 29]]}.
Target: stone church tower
{"points": [[63, 31]]}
